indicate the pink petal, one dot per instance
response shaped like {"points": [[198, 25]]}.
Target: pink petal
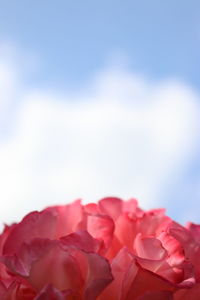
{"points": [[151, 222], [111, 206], [6, 232], [35, 224], [131, 208], [98, 277], [67, 216], [101, 228], [149, 248], [162, 268], [174, 248], [21, 262], [91, 208], [146, 281], [57, 267], [125, 231], [50, 293], [194, 229], [82, 240], [120, 265]]}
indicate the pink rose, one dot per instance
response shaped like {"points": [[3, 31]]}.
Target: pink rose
{"points": [[112, 250]]}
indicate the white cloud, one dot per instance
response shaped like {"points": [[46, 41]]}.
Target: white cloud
{"points": [[123, 136]]}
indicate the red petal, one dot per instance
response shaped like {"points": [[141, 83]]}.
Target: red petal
{"points": [[3, 290], [164, 295], [188, 294]]}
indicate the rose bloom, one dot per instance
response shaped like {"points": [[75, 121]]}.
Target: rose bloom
{"points": [[112, 250]]}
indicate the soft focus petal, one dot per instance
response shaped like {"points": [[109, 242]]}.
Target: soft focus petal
{"points": [[110, 250], [34, 225], [99, 276], [119, 265], [100, 227], [111, 207], [146, 281], [188, 294], [67, 217], [82, 240], [50, 293], [160, 295]]}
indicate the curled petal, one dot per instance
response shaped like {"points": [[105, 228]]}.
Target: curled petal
{"points": [[34, 225], [111, 206], [100, 227], [149, 248], [99, 276], [82, 240], [67, 217]]}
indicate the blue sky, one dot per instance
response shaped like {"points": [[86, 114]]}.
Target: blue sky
{"points": [[75, 38], [99, 98]]}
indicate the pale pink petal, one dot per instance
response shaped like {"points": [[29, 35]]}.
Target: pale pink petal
{"points": [[101, 228], [131, 208], [67, 217], [149, 248], [125, 231], [152, 221], [111, 206]]}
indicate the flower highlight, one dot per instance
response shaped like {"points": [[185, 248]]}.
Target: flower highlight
{"points": [[110, 250]]}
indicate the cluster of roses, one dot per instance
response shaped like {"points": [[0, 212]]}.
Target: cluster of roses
{"points": [[111, 250]]}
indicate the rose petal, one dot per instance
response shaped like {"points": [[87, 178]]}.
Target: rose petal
{"points": [[119, 266], [149, 248], [188, 294], [67, 217], [82, 240], [111, 206], [35, 224], [164, 295], [58, 267], [146, 281], [50, 292], [101, 228], [99, 276]]}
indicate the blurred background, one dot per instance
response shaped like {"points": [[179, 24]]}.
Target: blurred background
{"points": [[99, 98]]}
